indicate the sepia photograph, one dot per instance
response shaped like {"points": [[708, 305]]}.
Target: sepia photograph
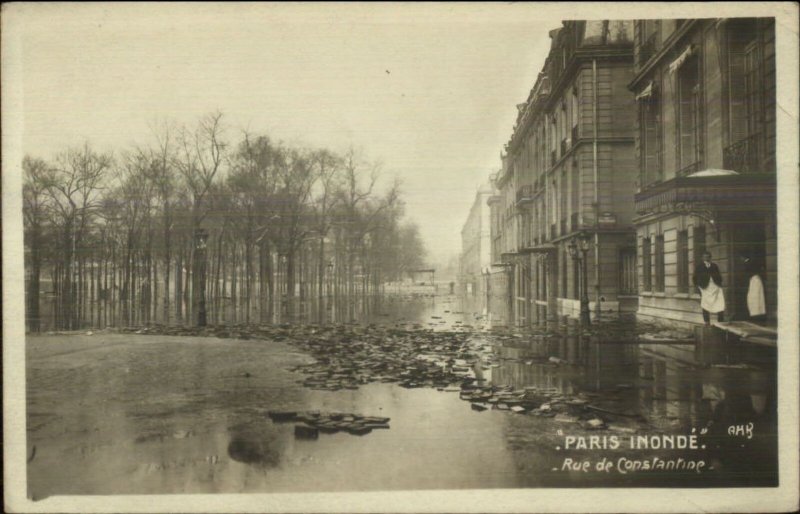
{"points": [[400, 257]]}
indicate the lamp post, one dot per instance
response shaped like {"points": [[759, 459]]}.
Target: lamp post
{"points": [[199, 276], [584, 247], [578, 250]]}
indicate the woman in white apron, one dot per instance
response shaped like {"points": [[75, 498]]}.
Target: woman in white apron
{"points": [[756, 305], [708, 280]]}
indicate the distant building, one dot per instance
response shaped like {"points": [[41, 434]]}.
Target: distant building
{"points": [[569, 171], [705, 140], [475, 258], [501, 291]]}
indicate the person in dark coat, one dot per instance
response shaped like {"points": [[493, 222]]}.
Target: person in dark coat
{"points": [[708, 280]]}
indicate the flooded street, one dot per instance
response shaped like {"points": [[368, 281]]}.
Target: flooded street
{"points": [[114, 413]]}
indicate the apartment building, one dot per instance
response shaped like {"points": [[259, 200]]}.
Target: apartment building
{"points": [[475, 259], [705, 149], [568, 179]]}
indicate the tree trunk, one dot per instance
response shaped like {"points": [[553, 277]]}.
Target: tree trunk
{"points": [[179, 287], [248, 257]]}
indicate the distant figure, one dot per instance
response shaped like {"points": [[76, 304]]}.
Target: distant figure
{"points": [[708, 280], [756, 305], [452, 287]]}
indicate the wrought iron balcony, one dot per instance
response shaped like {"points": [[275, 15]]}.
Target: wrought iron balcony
{"points": [[744, 156]]}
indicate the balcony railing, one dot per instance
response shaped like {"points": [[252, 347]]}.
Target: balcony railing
{"points": [[573, 221], [743, 156]]}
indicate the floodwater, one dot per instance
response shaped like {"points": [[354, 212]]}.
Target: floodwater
{"points": [[132, 414]]}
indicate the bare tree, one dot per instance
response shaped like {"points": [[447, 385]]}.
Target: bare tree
{"points": [[326, 200], [34, 211], [202, 154], [162, 173], [74, 187], [281, 217]]}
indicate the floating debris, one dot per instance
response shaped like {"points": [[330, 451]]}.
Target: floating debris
{"points": [[347, 357], [306, 432], [311, 423], [282, 415]]}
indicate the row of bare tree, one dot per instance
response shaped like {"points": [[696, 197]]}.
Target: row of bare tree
{"points": [[193, 227]]}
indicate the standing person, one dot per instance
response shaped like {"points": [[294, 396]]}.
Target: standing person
{"points": [[708, 280], [756, 305]]}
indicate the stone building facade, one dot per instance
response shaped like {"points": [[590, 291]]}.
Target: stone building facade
{"points": [[569, 171], [475, 259], [705, 148]]}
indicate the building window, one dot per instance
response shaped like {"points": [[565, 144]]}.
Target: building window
{"points": [[575, 116], [647, 280], [627, 271], [659, 263], [564, 124], [545, 271], [683, 261], [563, 196], [575, 188], [699, 243], [650, 136], [649, 35], [690, 99], [744, 90]]}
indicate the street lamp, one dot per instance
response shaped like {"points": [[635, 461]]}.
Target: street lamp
{"points": [[199, 275], [578, 248], [583, 240]]}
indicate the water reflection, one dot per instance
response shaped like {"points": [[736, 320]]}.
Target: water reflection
{"points": [[252, 449], [187, 414]]}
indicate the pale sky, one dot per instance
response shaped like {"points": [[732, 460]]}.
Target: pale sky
{"points": [[429, 91]]}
